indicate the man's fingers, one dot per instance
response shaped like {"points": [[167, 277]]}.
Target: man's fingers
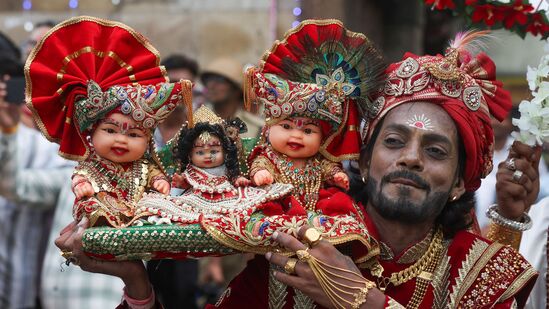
{"points": [[281, 260], [288, 241], [293, 281], [69, 226], [512, 189]]}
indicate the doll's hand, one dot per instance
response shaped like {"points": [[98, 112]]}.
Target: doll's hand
{"points": [[341, 180], [242, 181], [263, 177], [81, 187], [162, 186], [179, 181]]}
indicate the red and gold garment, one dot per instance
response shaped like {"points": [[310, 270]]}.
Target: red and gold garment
{"points": [[466, 271], [117, 189], [309, 183], [211, 196]]}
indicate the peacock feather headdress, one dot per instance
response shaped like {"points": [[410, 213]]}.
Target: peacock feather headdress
{"points": [[323, 71]]}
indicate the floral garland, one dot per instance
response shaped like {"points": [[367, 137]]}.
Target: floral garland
{"points": [[518, 16], [534, 114]]}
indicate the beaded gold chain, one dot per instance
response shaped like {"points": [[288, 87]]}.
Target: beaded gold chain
{"points": [[419, 268], [306, 180], [103, 171]]}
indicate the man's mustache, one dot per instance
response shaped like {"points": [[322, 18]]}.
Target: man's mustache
{"points": [[404, 174]]}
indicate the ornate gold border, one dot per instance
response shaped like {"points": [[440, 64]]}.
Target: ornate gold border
{"points": [[231, 243], [479, 264], [518, 284]]}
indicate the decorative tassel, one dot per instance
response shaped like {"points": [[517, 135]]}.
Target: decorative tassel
{"points": [[187, 92], [249, 93]]}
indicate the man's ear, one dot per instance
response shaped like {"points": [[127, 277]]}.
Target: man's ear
{"points": [[364, 163], [458, 190]]}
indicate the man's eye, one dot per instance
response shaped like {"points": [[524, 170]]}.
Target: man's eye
{"points": [[436, 152], [392, 141]]}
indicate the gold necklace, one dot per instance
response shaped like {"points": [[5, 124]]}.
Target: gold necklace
{"points": [[306, 180], [418, 269]]}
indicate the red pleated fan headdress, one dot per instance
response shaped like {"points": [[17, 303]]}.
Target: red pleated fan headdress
{"points": [[85, 68]]}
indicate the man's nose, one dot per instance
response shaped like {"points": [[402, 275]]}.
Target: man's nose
{"points": [[411, 157]]}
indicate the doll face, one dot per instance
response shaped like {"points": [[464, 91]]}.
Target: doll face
{"points": [[207, 151], [296, 137], [118, 139]]}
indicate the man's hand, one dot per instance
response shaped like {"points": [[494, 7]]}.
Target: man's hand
{"points": [[305, 280], [213, 271], [517, 184], [262, 177], [133, 273]]}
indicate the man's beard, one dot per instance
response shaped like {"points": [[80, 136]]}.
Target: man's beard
{"points": [[403, 209]]}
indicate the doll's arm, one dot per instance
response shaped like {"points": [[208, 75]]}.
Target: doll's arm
{"points": [[333, 173], [180, 181], [261, 171], [341, 180], [160, 183], [81, 186], [242, 181], [157, 180]]}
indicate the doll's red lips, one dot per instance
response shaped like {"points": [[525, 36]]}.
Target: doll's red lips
{"points": [[295, 146], [119, 151]]}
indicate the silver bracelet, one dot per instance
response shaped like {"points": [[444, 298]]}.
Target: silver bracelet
{"points": [[524, 224]]}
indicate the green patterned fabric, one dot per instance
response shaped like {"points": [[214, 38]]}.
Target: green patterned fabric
{"points": [[145, 242], [248, 143]]}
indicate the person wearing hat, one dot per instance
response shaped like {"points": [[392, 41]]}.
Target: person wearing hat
{"points": [[223, 80], [428, 143]]}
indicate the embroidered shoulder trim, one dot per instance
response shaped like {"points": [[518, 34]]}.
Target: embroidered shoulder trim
{"points": [[472, 256]]}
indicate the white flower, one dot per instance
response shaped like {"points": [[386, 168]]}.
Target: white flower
{"points": [[536, 75], [541, 94], [534, 115]]}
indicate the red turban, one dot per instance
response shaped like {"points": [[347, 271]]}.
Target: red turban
{"points": [[465, 87]]}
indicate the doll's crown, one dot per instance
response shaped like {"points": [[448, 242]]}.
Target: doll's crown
{"points": [[204, 114]]}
